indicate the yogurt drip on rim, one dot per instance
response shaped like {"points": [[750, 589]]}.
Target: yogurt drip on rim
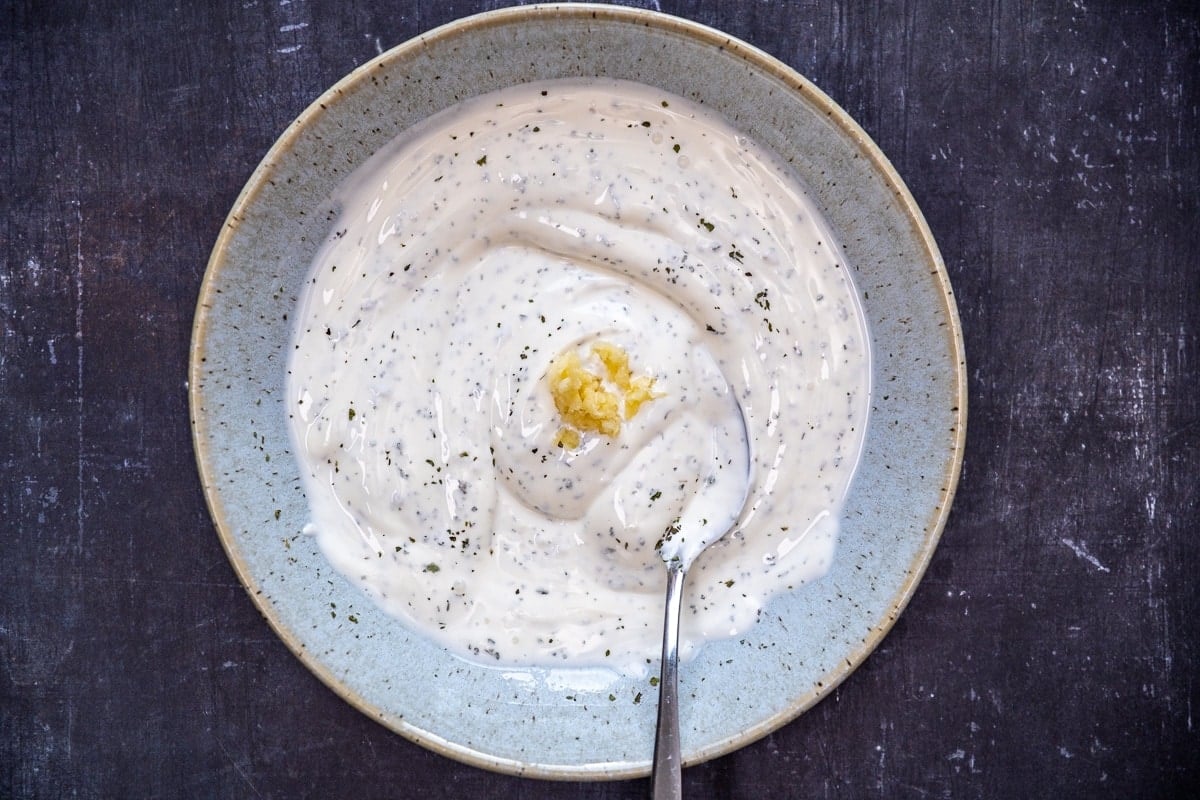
{"points": [[473, 250]]}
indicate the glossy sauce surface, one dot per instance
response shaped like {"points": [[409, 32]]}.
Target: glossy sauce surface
{"points": [[475, 250]]}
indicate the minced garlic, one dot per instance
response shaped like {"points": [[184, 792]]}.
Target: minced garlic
{"points": [[595, 403]]}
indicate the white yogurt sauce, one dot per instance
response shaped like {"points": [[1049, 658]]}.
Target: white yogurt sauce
{"points": [[472, 251]]}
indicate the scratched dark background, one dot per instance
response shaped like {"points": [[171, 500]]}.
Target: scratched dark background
{"points": [[1051, 650]]}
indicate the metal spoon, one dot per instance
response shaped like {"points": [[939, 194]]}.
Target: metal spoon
{"points": [[721, 496]]}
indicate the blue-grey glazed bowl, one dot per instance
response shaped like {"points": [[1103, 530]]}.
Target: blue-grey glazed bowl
{"points": [[576, 724]]}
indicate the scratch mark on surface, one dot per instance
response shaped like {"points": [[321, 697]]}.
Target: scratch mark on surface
{"points": [[295, 26], [289, 49], [237, 767], [79, 372], [1078, 549]]}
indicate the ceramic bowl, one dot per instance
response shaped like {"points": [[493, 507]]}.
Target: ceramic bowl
{"points": [[571, 723]]}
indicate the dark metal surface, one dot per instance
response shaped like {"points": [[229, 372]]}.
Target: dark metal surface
{"points": [[1052, 648]]}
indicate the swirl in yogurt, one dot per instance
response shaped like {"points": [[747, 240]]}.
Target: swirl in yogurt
{"points": [[475, 250]]}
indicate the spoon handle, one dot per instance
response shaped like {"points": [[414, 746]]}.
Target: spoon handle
{"points": [[664, 774]]}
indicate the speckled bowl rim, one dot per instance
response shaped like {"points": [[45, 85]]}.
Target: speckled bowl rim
{"points": [[768, 65]]}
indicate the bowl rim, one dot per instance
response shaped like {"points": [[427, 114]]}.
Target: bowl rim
{"points": [[705, 35]]}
